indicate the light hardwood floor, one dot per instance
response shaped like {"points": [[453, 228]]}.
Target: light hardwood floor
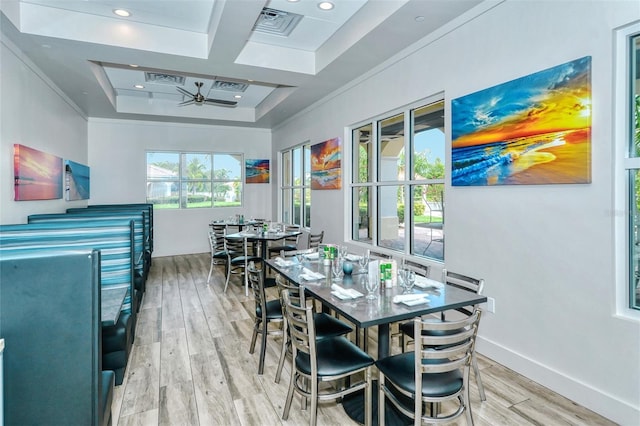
{"points": [[190, 365]]}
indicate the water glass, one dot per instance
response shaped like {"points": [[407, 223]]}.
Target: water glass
{"points": [[336, 269], [371, 284], [363, 262], [300, 259], [402, 279], [410, 281]]}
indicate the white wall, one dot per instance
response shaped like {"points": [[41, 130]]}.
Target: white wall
{"points": [[546, 252], [117, 155], [33, 113]]}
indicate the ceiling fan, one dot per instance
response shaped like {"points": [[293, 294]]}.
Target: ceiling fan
{"points": [[199, 99]]}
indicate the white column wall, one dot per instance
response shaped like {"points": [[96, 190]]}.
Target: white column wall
{"points": [[117, 155], [545, 251]]}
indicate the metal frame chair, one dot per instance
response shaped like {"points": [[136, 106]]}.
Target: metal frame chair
{"points": [[266, 312], [288, 243], [315, 240], [437, 370], [218, 255], [238, 259], [325, 360]]}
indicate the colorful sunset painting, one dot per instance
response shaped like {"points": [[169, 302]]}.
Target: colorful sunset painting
{"points": [[532, 130], [257, 171], [326, 172], [37, 175], [76, 181]]}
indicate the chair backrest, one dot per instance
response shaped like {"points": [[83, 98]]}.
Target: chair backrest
{"points": [[212, 242], [292, 239], [373, 255], [443, 346], [315, 239], [301, 328], [464, 282], [418, 268], [235, 246], [219, 230], [257, 285], [292, 253]]}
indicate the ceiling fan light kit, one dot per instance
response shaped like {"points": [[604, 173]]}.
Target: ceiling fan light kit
{"points": [[199, 99]]}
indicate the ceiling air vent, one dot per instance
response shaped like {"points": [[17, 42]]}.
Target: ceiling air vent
{"points": [[229, 86], [276, 22], [160, 78]]}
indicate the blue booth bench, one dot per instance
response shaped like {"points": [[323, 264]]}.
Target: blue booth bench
{"points": [[91, 216], [50, 321], [114, 239]]}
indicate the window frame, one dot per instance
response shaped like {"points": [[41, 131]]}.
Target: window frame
{"points": [[624, 165], [376, 182], [288, 186], [182, 180]]}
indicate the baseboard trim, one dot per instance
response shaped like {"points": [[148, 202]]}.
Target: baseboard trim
{"points": [[602, 403]]}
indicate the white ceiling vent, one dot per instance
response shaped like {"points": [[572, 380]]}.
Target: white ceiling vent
{"points": [[229, 86], [160, 78], [276, 22]]}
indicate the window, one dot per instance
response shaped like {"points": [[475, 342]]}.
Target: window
{"points": [[188, 180], [633, 170], [296, 186], [397, 187]]}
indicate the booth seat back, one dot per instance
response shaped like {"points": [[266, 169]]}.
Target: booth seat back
{"points": [[50, 321], [98, 216], [113, 238], [147, 207]]}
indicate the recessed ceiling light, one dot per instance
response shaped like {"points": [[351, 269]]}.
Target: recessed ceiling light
{"points": [[139, 86], [293, 1], [419, 18], [122, 12], [325, 5], [238, 96], [134, 65]]}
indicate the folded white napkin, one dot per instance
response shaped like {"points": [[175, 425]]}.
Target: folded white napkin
{"points": [[309, 275], [312, 256], [281, 262], [345, 293], [352, 257], [411, 299], [424, 282]]}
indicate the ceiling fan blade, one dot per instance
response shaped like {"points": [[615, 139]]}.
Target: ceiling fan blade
{"points": [[220, 102], [185, 92], [189, 102]]}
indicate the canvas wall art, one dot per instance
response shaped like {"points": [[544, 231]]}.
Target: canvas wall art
{"points": [[326, 172], [532, 130], [37, 175], [76, 181], [257, 171]]}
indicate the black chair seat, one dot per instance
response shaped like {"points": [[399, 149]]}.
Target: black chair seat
{"points": [[407, 328], [336, 355], [278, 249], [400, 369], [274, 310], [220, 255], [328, 326], [240, 260], [269, 282]]}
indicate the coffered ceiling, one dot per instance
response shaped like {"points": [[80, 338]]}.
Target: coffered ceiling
{"points": [[272, 58]]}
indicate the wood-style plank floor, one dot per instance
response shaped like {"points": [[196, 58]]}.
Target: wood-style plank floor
{"points": [[190, 365]]}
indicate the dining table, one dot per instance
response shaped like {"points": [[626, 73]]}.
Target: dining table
{"points": [[111, 300], [386, 308]]}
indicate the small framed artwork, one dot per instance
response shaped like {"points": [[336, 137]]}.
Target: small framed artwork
{"points": [[529, 131], [76, 181], [257, 171], [37, 175], [326, 165]]}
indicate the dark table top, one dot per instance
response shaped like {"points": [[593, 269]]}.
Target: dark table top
{"points": [[111, 304], [263, 236], [382, 310]]}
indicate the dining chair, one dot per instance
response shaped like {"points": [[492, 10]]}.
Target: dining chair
{"points": [[266, 312], [288, 243], [238, 259], [325, 324], [315, 240], [437, 370], [376, 255], [464, 282], [218, 253], [326, 360]]}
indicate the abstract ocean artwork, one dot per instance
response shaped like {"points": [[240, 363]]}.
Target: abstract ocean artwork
{"points": [[532, 130], [37, 175], [76, 181], [257, 171], [326, 172]]}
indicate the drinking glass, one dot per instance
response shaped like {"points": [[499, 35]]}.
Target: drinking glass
{"points": [[402, 279], [371, 284], [300, 258], [363, 262], [336, 269], [342, 251], [410, 281]]}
